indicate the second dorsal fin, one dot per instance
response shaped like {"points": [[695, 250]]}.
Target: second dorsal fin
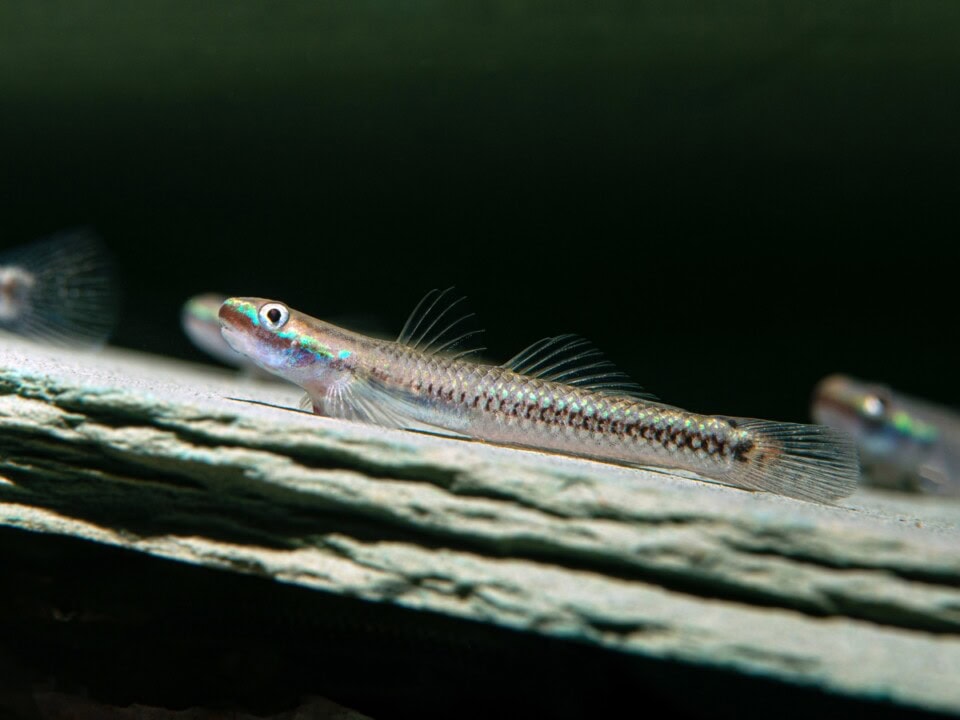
{"points": [[573, 360], [437, 325]]}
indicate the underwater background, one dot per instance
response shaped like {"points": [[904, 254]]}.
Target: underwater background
{"points": [[732, 200]]}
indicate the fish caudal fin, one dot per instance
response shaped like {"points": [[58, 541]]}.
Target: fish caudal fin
{"points": [[808, 462], [67, 292]]}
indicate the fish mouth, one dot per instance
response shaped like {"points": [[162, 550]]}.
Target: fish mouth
{"points": [[233, 339]]}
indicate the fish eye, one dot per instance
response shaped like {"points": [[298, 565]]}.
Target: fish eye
{"points": [[875, 406], [274, 315]]}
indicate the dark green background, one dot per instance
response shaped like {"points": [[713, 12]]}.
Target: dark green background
{"points": [[733, 199]]}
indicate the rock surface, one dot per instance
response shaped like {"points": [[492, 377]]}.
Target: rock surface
{"points": [[173, 460]]}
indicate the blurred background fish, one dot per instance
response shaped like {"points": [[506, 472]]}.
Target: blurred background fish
{"points": [[905, 443], [199, 321], [60, 290]]}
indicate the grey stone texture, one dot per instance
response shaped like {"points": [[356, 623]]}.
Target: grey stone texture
{"points": [[861, 599]]}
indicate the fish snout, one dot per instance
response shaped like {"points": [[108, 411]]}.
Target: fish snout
{"points": [[238, 320], [238, 314]]}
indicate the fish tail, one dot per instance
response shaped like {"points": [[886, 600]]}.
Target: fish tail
{"points": [[808, 462], [72, 298]]}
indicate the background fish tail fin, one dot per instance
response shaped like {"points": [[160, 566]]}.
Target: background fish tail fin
{"points": [[72, 299]]}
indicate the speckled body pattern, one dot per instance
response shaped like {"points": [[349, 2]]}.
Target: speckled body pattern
{"points": [[350, 375], [501, 406]]}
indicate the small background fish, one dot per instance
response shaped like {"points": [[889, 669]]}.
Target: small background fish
{"points": [[199, 321], [59, 290], [905, 443]]}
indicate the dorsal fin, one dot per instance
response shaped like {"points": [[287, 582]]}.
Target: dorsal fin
{"points": [[573, 360], [436, 325]]}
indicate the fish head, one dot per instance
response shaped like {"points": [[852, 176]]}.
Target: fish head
{"points": [[285, 342], [884, 428], [850, 405]]}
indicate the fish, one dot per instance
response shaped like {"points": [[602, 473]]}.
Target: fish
{"points": [[905, 443], [558, 395], [60, 290]]}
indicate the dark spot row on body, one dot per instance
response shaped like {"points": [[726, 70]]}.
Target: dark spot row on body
{"points": [[565, 417], [597, 423], [432, 390], [439, 392], [383, 377], [680, 438], [667, 435], [742, 450], [522, 409]]}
